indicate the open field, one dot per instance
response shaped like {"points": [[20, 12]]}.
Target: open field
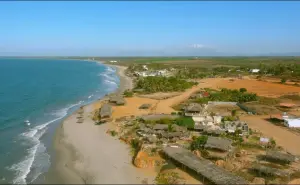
{"points": [[259, 87]]}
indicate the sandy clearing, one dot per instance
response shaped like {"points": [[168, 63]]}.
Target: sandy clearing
{"points": [[260, 87], [287, 139]]}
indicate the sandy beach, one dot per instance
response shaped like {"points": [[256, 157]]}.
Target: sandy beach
{"points": [[86, 154]]}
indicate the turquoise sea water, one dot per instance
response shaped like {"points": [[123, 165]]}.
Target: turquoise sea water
{"points": [[35, 95]]}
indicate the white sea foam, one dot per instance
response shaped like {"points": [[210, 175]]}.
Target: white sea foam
{"points": [[38, 149]]}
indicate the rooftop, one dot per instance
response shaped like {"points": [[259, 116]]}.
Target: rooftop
{"points": [[206, 168], [223, 144], [105, 110]]}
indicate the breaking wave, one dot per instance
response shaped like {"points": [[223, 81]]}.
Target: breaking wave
{"points": [[37, 159]]}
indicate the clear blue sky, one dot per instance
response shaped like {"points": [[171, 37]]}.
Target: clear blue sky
{"points": [[149, 28]]}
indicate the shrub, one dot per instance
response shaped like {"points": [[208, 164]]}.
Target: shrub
{"points": [[167, 178], [173, 113], [233, 113], [186, 122], [198, 143], [113, 133], [128, 93], [283, 80], [242, 90]]}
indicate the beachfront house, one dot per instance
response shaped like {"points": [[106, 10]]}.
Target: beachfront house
{"points": [[254, 70], [105, 111], [118, 100]]}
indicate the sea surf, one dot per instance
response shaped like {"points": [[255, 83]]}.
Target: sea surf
{"points": [[35, 96]]}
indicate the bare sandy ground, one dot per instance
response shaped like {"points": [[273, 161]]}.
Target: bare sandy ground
{"points": [[262, 88], [86, 154], [283, 137]]}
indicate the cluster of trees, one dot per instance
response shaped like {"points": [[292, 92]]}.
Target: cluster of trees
{"points": [[280, 69], [192, 73], [152, 84], [235, 95]]}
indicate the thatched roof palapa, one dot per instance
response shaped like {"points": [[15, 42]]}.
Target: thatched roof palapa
{"points": [[160, 127], [222, 144], [145, 106], [194, 107], [206, 168], [269, 171], [105, 111], [276, 155], [119, 100]]}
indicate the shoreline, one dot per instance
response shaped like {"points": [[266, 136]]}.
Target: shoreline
{"points": [[78, 162]]}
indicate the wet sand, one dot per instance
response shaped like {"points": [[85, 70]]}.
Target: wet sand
{"points": [[86, 154]]}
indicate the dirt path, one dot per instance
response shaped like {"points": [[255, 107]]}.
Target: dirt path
{"points": [[287, 139]]}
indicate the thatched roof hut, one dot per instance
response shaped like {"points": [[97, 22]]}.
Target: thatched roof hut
{"points": [[206, 168], [178, 128], [194, 108], [160, 127], [269, 170], [279, 156], [154, 117], [105, 111], [145, 106], [119, 100], [218, 143]]}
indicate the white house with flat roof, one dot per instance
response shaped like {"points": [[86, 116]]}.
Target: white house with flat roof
{"points": [[254, 70]]}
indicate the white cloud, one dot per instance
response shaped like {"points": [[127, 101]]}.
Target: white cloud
{"points": [[198, 46]]}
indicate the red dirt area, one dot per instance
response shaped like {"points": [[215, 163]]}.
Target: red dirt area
{"points": [[283, 137], [261, 88]]}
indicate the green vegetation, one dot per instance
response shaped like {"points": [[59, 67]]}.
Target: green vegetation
{"points": [[135, 146], [128, 93], [283, 80], [243, 90], [198, 143], [167, 178], [153, 84], [113, 133], [229, 95], [187, 122]]}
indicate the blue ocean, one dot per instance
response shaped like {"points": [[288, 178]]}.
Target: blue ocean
{"points": [[35, 95]]}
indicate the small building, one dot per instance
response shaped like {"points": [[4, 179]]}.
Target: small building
{"points": [[105, 111], [292, 122], [194, 109], [280, 156], [178, 128], [254, 70], [160, 127], [217, 143], [145, 106], [145, 67], [118, 100]]}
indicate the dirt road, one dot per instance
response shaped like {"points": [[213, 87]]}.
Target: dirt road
{"points": [[288, 140]]}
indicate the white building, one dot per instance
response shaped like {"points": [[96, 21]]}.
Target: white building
{"points": [[254, 70], [145, 67], [292, 122], [112, 61]]}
